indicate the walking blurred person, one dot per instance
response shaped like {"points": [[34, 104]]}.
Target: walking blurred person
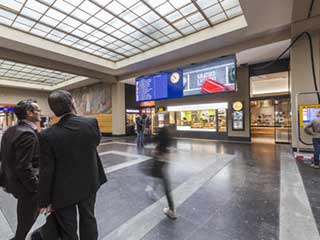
{"points": [[313, 129], [147, 130], [20, 164], [71, 171], [160, 169], [140, 125]]}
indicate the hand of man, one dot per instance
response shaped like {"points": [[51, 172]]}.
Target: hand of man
{"points": [[46, 210]]}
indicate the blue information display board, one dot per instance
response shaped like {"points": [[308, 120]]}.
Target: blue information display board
{"points": [[159, 86]]}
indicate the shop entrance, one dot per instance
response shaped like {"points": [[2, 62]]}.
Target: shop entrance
{"points": [[271, 120], [270, 108]]}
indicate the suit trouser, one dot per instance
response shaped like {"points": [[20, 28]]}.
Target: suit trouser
{"points": [[26, 214], [67, 220]]}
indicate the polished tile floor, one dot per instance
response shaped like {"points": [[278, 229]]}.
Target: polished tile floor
{"points": [[223, 191]]}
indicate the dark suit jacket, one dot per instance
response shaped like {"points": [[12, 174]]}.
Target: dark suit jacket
{"points": [[70, 167], [20, 160]]}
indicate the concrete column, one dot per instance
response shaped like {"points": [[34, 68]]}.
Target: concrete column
{"points": [[118, 109], [302, 79]]}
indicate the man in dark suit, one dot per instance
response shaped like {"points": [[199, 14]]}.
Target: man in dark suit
{"points": [[20, 161], [71, 171]]}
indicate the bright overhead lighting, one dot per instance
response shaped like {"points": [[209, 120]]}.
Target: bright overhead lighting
{"points": [[126, 21], [17, 72]]}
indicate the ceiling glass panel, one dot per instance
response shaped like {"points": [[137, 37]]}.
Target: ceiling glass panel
{"points": [[233, 12], [12, 4], [227, 4], [131, 25], [115, 7], [213, 10], [218, 18], [201, 25], [205, 3], [178, 3], [174, 16], [165, 8], [155, 3], [12, 71]]}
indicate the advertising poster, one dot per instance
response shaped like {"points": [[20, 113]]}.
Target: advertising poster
{"points": [[213, 77], [237, 120]]}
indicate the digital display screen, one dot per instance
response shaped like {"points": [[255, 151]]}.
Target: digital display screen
{"points": [[216, 76], [307, 113], [212, 77], [159, 86]]}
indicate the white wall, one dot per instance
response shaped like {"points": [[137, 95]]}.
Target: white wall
{"points": [[14, 95]]}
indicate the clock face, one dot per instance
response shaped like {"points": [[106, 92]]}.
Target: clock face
{"points": [[175, 77], [237, 106]]}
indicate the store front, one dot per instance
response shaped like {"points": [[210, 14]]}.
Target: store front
{"points": [[200, 118], [270, 108], [131, 115], [271, 120]]}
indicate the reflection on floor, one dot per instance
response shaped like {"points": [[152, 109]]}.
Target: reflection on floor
{"points": [[222, 191], [266, 140]]}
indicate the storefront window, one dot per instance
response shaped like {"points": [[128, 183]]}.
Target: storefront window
{"points": [[172, 118], [262, 113], [202, 120], [222, 120]]}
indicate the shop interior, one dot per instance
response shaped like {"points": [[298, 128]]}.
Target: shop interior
{"points": [[271, 120], [270, 108], [207, 118], [147, 108]]}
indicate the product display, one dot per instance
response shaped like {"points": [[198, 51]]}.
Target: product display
{"points": [[213, 120]]}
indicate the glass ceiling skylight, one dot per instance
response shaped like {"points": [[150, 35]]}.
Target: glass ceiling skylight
{"points": [[115, 29], [12, 71]]}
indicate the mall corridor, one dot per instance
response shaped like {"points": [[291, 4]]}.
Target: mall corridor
{"points": [[223, 191]]}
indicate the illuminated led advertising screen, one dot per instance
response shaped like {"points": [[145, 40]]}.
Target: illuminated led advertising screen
{"points": [[212, 77], [215, 76]]}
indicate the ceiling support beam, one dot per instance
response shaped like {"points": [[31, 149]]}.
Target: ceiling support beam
{"points": [[308, 25]]}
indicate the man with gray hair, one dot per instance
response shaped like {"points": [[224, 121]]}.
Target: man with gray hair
{"points": [[71, 171], [313, 128]]}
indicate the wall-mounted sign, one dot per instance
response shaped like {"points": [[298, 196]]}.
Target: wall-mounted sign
{"points": [[237, 116], [223, 105], [148, 104], [237, 106], [159, 86], [132, 111], [161, 109]]}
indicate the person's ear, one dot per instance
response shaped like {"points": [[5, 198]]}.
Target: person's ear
{"points": [[29, 113]]}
